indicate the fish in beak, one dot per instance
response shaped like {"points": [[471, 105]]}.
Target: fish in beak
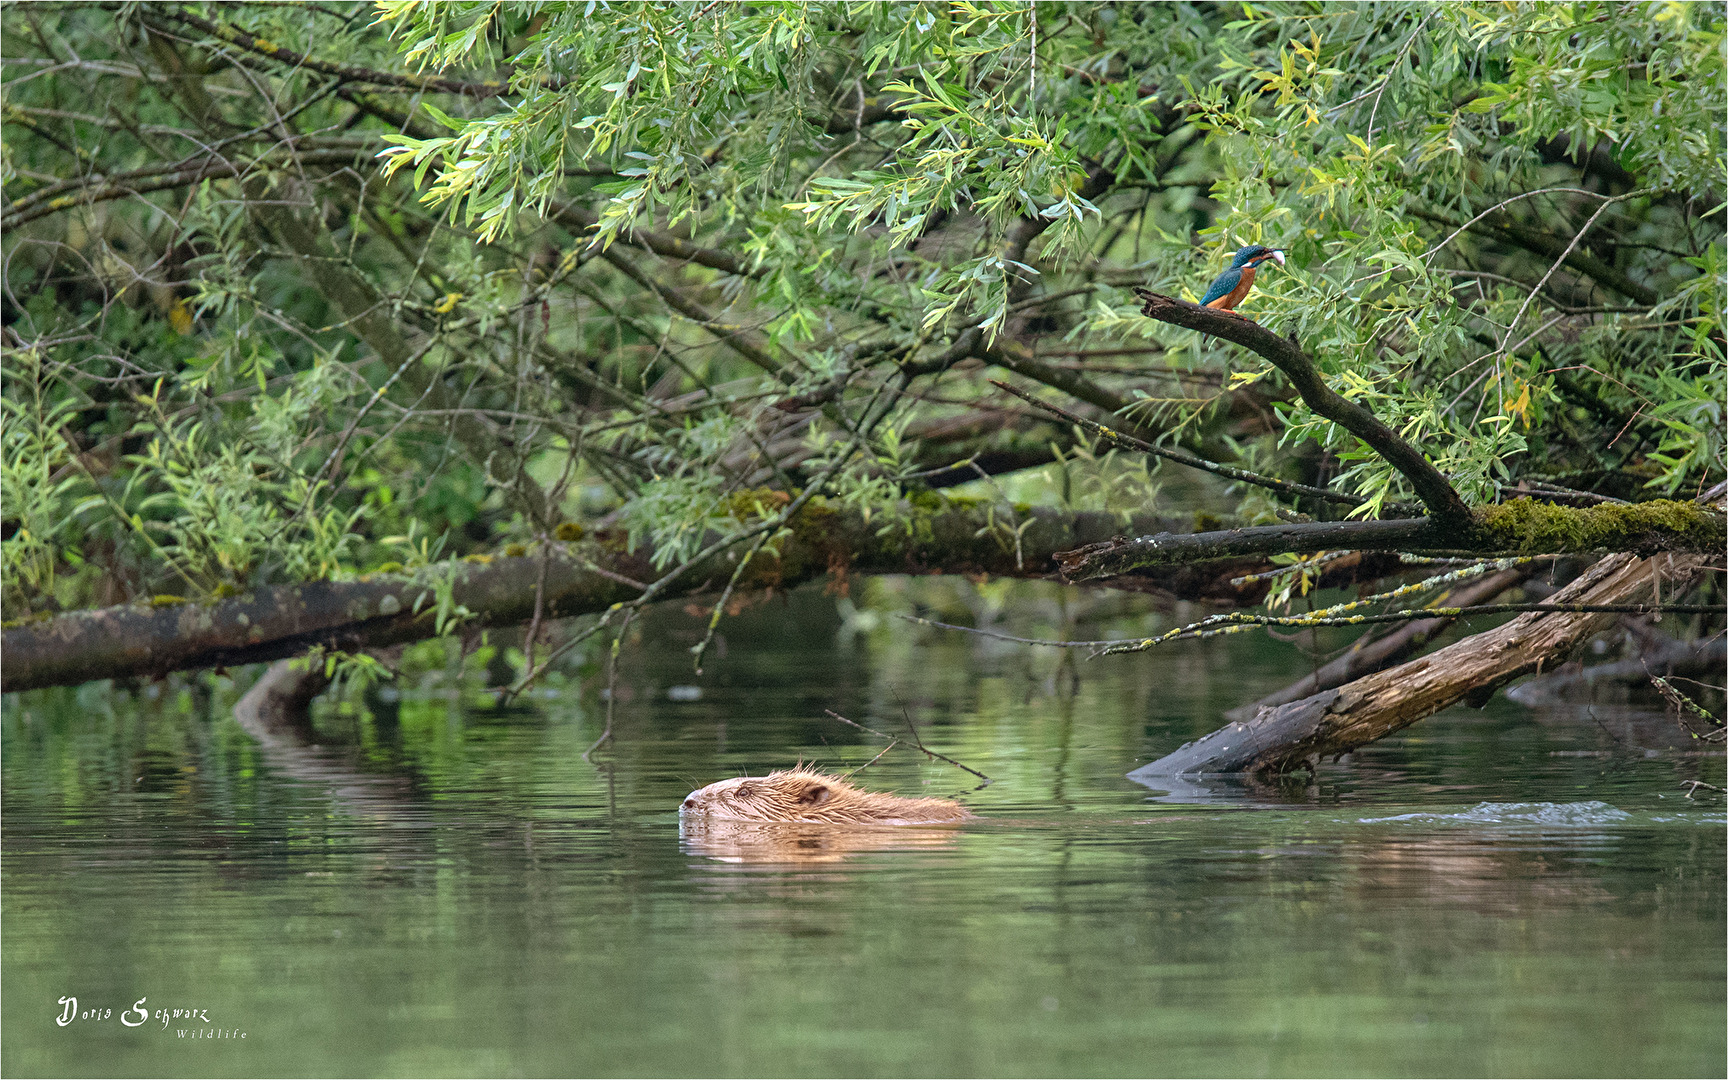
{"points": [[1278, 256]]}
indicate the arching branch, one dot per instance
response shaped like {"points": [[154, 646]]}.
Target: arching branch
{"points": [[1447, 509]]}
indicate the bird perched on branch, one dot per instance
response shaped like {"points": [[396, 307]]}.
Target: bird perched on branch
{"points": [[1228, 288]]}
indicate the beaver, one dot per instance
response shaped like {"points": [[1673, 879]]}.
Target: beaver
{"points": [[801, 794]]}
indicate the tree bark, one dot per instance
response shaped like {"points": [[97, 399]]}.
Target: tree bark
{"points": [[1337, 721]]}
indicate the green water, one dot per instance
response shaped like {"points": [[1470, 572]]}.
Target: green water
{"points": [[1497, 892]]}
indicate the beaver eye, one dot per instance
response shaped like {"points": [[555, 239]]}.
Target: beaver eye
{"points": [[743, 791]]}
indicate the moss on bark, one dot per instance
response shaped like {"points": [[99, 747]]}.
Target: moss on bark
{"points": [[1527, 527]]}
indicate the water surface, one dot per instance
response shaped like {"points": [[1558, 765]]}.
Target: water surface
{"points": [[1496, 892]]}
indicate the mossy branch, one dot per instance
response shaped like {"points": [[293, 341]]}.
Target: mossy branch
{"points": [[1519, 527]]}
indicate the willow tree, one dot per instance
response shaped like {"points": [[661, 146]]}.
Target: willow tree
{"points": [[646, 299]]}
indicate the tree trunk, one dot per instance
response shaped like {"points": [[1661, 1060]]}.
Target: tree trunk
{"points": [[1337, 721]]}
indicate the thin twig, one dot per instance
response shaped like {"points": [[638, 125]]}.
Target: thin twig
{"points": [[1684, 706], [539, 603], [770, 527], [921, 746], [857, 725], [854, 772], [1129, 442], [1236, 622], [720, 605], [921, 621], [611, 683], [1600, 210], [1315, 563]]}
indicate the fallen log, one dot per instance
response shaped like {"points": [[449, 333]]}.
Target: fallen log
{"points": [[1334, 722], [1369, 656], [577, 578]]}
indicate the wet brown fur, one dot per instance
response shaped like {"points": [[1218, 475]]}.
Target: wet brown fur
{"points": [[805, 795]]}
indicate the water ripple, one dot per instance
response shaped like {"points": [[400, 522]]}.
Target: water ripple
{"points": [[1580, 814]]}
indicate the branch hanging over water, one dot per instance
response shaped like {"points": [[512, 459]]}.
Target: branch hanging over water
{"points": [[582, 578], [1520, 527]]}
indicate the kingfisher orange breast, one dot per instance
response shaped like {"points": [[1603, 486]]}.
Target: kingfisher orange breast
{"points": [[1229, 300]]}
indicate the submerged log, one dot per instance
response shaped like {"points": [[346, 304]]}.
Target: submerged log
{"points": [[1334, 722], [277, 712]]}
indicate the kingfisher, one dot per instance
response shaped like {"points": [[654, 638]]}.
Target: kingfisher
{"points": [[1228, 289]]}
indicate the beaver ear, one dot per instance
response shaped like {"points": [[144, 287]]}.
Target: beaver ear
{"points": [[815, 795]]}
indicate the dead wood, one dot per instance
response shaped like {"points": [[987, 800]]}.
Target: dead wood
{"points": [[277, 712], [1519, 527], [1337, 721]]}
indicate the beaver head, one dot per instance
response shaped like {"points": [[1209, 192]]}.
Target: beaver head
{"points": [[805, 795]]}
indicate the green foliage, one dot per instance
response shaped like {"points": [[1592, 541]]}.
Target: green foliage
{"points": [[697, 250], [41, 484]]}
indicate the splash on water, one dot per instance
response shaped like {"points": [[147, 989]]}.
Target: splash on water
{"points": [[1570, 815]]}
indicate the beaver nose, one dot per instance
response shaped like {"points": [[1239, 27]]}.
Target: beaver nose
{"points": [[689, 804]]}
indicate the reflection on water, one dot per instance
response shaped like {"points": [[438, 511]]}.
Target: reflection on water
{"points": [[802, 842], [451, 889]]}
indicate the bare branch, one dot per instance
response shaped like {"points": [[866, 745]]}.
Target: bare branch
{"points": [[1128, 442], [1448, 510], [1521, 527]]}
